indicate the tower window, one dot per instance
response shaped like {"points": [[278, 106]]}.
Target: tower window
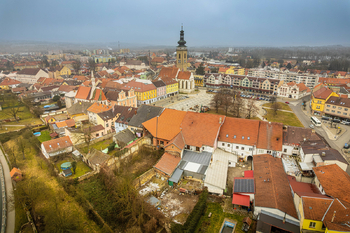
{"points": [[179, 56], [185, 55], [179, 61]]}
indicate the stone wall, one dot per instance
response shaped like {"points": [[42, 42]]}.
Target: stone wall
{"points": [[144, 178]]}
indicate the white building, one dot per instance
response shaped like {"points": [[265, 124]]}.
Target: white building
{"points": [[31, 75], [57, 146]]}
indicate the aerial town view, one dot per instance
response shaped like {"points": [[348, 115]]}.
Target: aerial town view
{"points": [[174, 116]]}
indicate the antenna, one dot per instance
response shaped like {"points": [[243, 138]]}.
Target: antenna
{"points": [[182, 26]]}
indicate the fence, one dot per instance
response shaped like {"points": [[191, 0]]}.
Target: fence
{"points": [[144, 178], [3, 194]]}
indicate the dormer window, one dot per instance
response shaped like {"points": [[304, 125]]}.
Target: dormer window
{"points": [[242, 137], [234, 137], [227, 135], [248, 138]]}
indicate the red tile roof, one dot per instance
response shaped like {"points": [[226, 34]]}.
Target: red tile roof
{"points": [[302, 87], [83, 93], [168, 163], [237, 130], [178, 141], [169, 123], [304, 189], [184, 75], [239, 199], [14, 171], [168, 72], [97, 108], [201, 129], [322, 93], [335, 182], [272, 186], [270, 136], [139, 86], [315, 208], [57, 144], [8, 81]]}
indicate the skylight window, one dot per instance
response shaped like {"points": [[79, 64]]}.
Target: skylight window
{"points": [[227, 135], [234, 136], [248, 138], [242, 137]]}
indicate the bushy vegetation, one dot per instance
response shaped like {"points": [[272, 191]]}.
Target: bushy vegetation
{"points": [[194, 217]]}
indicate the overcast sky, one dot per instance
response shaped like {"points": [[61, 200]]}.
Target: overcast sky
{"points": [[206, 23]]}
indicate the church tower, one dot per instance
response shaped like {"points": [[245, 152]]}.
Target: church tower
{"points": [[181, 52]]}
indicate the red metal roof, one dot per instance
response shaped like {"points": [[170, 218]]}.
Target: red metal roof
{"points": [[249, 173], [239, 199]]}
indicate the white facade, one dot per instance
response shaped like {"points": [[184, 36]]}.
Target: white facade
{"points": [[48, 155], [31, 79]]}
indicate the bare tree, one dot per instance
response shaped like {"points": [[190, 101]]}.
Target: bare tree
{"points": [[13, 107], [76, 66], [92, 65], [237, 106], [216, 101], [251, 109], [226, 100], [275, 105], [22, 145]]}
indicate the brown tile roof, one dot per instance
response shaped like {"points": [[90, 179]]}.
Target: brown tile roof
{"points": [[272, 186], [334, 80], [80, 78], [304, 189], [138, 86], [169, 123], [83, 93], [98, 95], [322, 93], [342, 102], [29, 71], [334, 181], [97, 108], [67, 88], [315, 208], [337, 215], [95, 128], [237, 130], [168, 163], [270, 136], [291, 83], [178, 141], [57, 144], [302, 87], [295, 135], [201, 129], [184, 75]]}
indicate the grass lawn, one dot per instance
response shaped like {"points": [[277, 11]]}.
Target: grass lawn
{"points": [[10, 128], [45, 136], [284, 106], [23, 113], [28, 121], [81, 169], [287, 118], [99, 145], [213, 224]]}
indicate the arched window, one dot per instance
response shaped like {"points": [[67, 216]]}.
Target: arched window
{"points": [[179, 56]]}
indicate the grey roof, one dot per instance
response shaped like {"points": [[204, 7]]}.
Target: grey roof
{"points": [[176, 175], [125, 136], [145, 113], [67, 171], [266, 220], [154, 201], [244, 186], [80, 107], [106, 115], [196, 157], [97, 157]]}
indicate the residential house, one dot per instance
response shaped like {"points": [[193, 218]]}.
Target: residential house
{"points": [[8, 84], [134, 64], [20, 66], [30, 75], [59, 126], [273, 200], [124, 114], [96, 108], [79, 135], [316, 152], [161, 89], [64, 89], [319, 98], [122, 97], [145, 92], [168, 75], [96, 159], [337, 107], [56, 147], [143, 114], [124, 137], [78, 109], [56, 72], [293, 137], [293, 90], [167, 164]]}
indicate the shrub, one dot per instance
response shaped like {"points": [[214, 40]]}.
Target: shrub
{"points": [[111, 147]]}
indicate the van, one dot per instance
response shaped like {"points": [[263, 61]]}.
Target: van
{"points": [[326, 118]]}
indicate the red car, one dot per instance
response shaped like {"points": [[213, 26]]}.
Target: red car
{"points": [[287, 102]]}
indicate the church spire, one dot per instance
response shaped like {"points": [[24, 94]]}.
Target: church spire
{"points": [[182, 41]]}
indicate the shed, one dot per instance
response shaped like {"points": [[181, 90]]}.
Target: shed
{"points": [[175, 178], [16, 174], [154, 201], [67, 172]]}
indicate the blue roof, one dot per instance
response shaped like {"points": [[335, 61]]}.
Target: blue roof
{"points": [[176, 175]]}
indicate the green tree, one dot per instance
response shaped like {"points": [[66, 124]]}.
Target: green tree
{"points": [[56, 97], [59, 103], [289, 66], [74, 166], [200, 70]]}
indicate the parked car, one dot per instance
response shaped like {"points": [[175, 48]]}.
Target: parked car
{"points": [[336, 120], [345, 122], [326, 118], [346, 146], [287, 102], [311, 126]]}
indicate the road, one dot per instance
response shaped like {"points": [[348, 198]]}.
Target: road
{"points": [[338, 144], [10, 223]]}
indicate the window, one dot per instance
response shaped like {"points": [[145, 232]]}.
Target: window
{"points": [[234, 137], [333, 111], [339, 112], [188, 147], [242, 148], [345, 113], [223, 144], [250, 149], [328, 105], [242, 137], [312, 225], [327, 110], [197, 148], [345, 109], [285, 150], [179, 56], [237, 147], [339, 108], [334, 107], [228, 145], [107, 125]]}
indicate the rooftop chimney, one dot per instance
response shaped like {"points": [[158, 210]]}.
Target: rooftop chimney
{"points": [[333, 216]]}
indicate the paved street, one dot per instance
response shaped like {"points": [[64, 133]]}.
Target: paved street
{"points": [[338, 144], [10, 223]]}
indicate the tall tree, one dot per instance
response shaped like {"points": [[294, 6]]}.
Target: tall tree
{"points": [[76, 66], [237, 106], [92, 65], [22, 145], [275, 105], [13, 105], [251, 109], [226, 100], [216, 101], [200, 70]]}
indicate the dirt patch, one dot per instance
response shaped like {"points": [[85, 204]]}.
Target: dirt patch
{"points": [[190, 185], [154, 186], [176, 206], [237, 171]]}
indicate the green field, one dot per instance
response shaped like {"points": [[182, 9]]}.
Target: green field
{"points": [[283, 106], [45, 136], [287, 118], [81, 169]]}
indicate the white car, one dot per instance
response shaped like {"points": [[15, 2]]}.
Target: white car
{"points": [[311, 126]]}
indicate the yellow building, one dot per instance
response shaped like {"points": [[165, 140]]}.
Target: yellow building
{"points": [[145, 93], [319, 99], [198, 80], [65, 71], [181, 52], [235, 70]]}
